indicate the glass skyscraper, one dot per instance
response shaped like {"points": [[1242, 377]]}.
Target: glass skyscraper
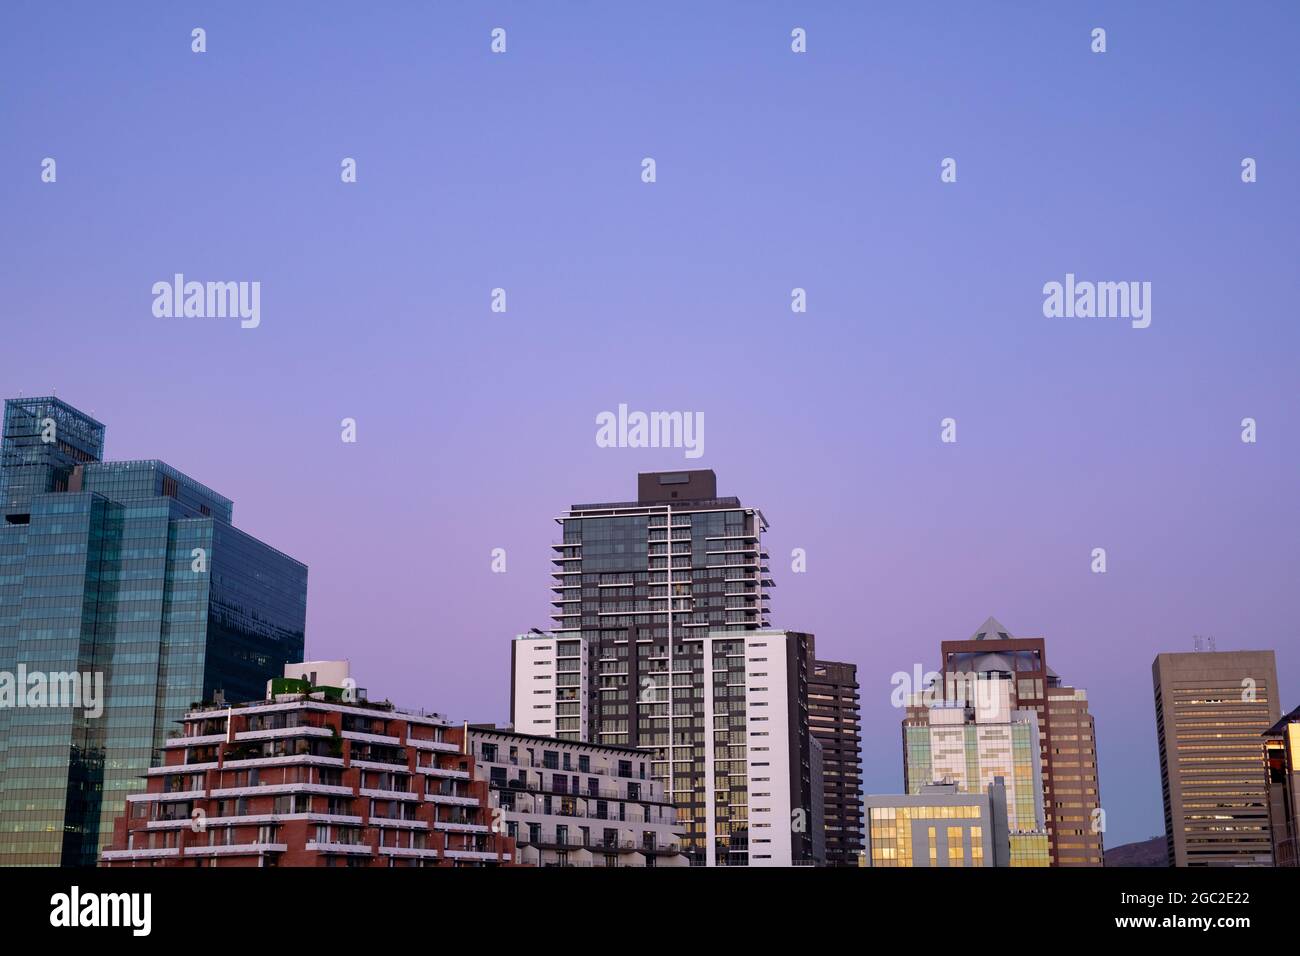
{"points": [[127, 572]]}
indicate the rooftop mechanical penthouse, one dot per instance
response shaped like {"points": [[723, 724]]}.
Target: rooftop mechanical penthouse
{"points": [[309, 779]]}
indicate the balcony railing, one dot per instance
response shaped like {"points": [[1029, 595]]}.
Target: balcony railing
{"points": [[575, 841]]}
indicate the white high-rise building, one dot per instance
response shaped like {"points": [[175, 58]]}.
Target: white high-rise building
{"points": [[549, 684], [739, 764]]}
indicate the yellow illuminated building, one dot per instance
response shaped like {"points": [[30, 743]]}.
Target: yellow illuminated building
{"points": [[951, 833]]}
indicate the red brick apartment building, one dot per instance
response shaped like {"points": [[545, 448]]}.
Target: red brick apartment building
{"points": [[306, 780]]}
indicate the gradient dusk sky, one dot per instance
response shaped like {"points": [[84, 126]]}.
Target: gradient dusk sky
{"points": [[775, 171]]}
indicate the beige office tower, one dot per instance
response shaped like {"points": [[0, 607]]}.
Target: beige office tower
{"points": [[1211, 710], [1076, 820]]}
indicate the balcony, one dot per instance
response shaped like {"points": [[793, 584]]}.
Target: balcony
{"points": [[277, 788], [660, 849], [179, 741], [448, 826], [305, 730], [294, 760], [398, 823], [141, 854], [167, 797], [390, 794], [451, 799], [409, 851], [236, 849], [444, 773], [369, 757], [480, 855], [371, 738], [441, 746], [575, 841], [349, 849]]}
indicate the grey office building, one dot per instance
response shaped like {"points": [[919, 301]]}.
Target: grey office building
{"points": [[1212, 708]]}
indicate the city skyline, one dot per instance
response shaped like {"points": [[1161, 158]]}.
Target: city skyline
{"points": [[473, 710], [775, 171]]}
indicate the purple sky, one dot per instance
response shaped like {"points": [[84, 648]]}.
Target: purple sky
{"points": [[775, 170]]}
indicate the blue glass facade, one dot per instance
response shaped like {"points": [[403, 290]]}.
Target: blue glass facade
{"points": [[129, 570]]}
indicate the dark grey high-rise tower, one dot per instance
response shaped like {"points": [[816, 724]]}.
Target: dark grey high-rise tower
{"points": [[127, 575], [835, 720], [677, 561], [661, 641]]}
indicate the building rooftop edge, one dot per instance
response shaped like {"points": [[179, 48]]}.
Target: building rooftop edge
{"points": [[503, 732]]}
